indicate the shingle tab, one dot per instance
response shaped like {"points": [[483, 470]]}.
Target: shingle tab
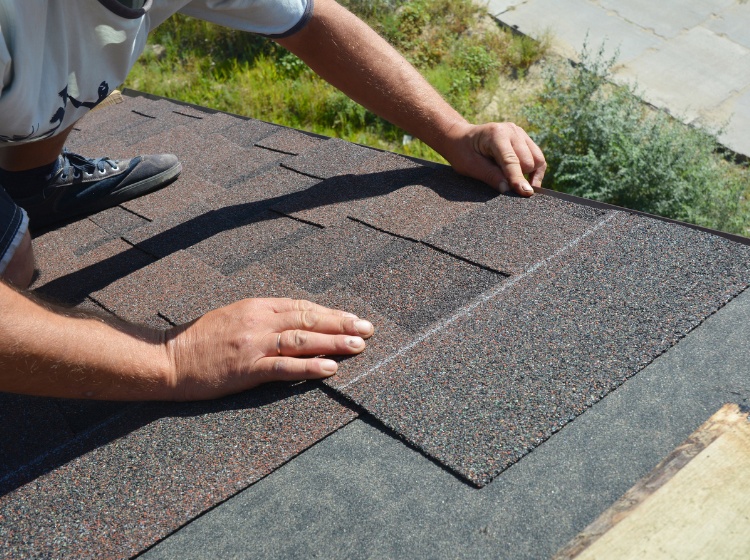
{"points": [[331, 157], [290, 141], [431, 199], [154, 467], [247, 133], [330, 202], [142, 295], [176, 197], [416, 286], [510, 233], [334, 255], [252, 281], [153, 122], [185, 229], [235, 248], [264, 190], [500, 376], [82, 258], [104, 122], [388, 339], [118, 220], [212, 156]]}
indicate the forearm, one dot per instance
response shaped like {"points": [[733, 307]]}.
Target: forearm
{"points": [[351, 56], [48, 352]]}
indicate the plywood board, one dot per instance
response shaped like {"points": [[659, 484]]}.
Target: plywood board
{"points": [[112, 99], [694, 504]]}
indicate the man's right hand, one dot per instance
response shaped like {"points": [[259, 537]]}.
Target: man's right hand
{"points": [[50, 351], [256, 341]]}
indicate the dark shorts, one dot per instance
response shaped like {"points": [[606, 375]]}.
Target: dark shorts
{"points": [[13, 225]]}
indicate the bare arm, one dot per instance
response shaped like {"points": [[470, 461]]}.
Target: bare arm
{"points": [[49, 351], [347, 53]]}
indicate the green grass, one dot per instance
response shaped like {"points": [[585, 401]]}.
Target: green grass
{"points": [[248, 75]]}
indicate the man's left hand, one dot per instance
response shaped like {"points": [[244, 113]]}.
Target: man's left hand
{"points": [[500, 154]]}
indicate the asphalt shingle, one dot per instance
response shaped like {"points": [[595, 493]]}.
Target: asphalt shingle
{"points": [[148, 292], [249, 133], [428, 202], [501, 375], [235, 248], [498, 319], [510, 234], [340, 253], [81, 258], [118, 220], [29, 427], [153, 467], [332, 201], [289, 141], [330, 158], [417, 286]]}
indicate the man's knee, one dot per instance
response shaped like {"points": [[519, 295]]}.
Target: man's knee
{"points": [[20, 269]]}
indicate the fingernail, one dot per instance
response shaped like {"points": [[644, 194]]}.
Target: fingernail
{"points": [[527, 188], [355, 342], [328, 366], [363, 327], [352, 315], [504, 187]]}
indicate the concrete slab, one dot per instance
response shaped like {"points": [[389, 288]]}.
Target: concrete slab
{"points": [[684, 77], [732, 23], [362, 494], [574, 22], [736, 136], [689, 57], [497, 7], [667, 18]]}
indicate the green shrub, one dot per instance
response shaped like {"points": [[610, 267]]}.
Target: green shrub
{"points": [[601, 142]]}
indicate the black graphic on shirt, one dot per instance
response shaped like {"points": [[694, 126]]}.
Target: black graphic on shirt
{"points": [[59, 115]]}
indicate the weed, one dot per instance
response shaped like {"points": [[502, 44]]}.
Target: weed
{"points": [[602, 143]]}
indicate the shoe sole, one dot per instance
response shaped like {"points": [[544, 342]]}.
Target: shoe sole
{"points": [[148, 185]]}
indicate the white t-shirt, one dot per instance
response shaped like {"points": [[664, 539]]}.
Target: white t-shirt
{"points": [[59, 58]]}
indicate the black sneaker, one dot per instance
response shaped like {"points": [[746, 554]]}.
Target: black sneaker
{"points": [[82, 186]]}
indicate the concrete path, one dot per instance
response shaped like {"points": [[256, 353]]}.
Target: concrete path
{"points": [[690, 57]]}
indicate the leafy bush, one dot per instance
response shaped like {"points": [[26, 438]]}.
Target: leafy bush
{"points": [[601, 142]]}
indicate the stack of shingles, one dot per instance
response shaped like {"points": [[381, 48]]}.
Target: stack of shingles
{"points": [[498, 319]]}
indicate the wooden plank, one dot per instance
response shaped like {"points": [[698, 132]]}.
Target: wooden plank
{"points": [[694, 504], [112, 99]]}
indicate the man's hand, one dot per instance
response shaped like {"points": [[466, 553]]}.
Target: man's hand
{"points": [[50, 351], [500, 154], [351, 56], [260, 340]]}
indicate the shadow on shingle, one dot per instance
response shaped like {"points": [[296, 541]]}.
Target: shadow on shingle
{"points": [[73, 288], [195, 227], [52, 449]]}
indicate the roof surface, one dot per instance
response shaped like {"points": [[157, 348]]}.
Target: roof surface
{"points": [[499, 321]]}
